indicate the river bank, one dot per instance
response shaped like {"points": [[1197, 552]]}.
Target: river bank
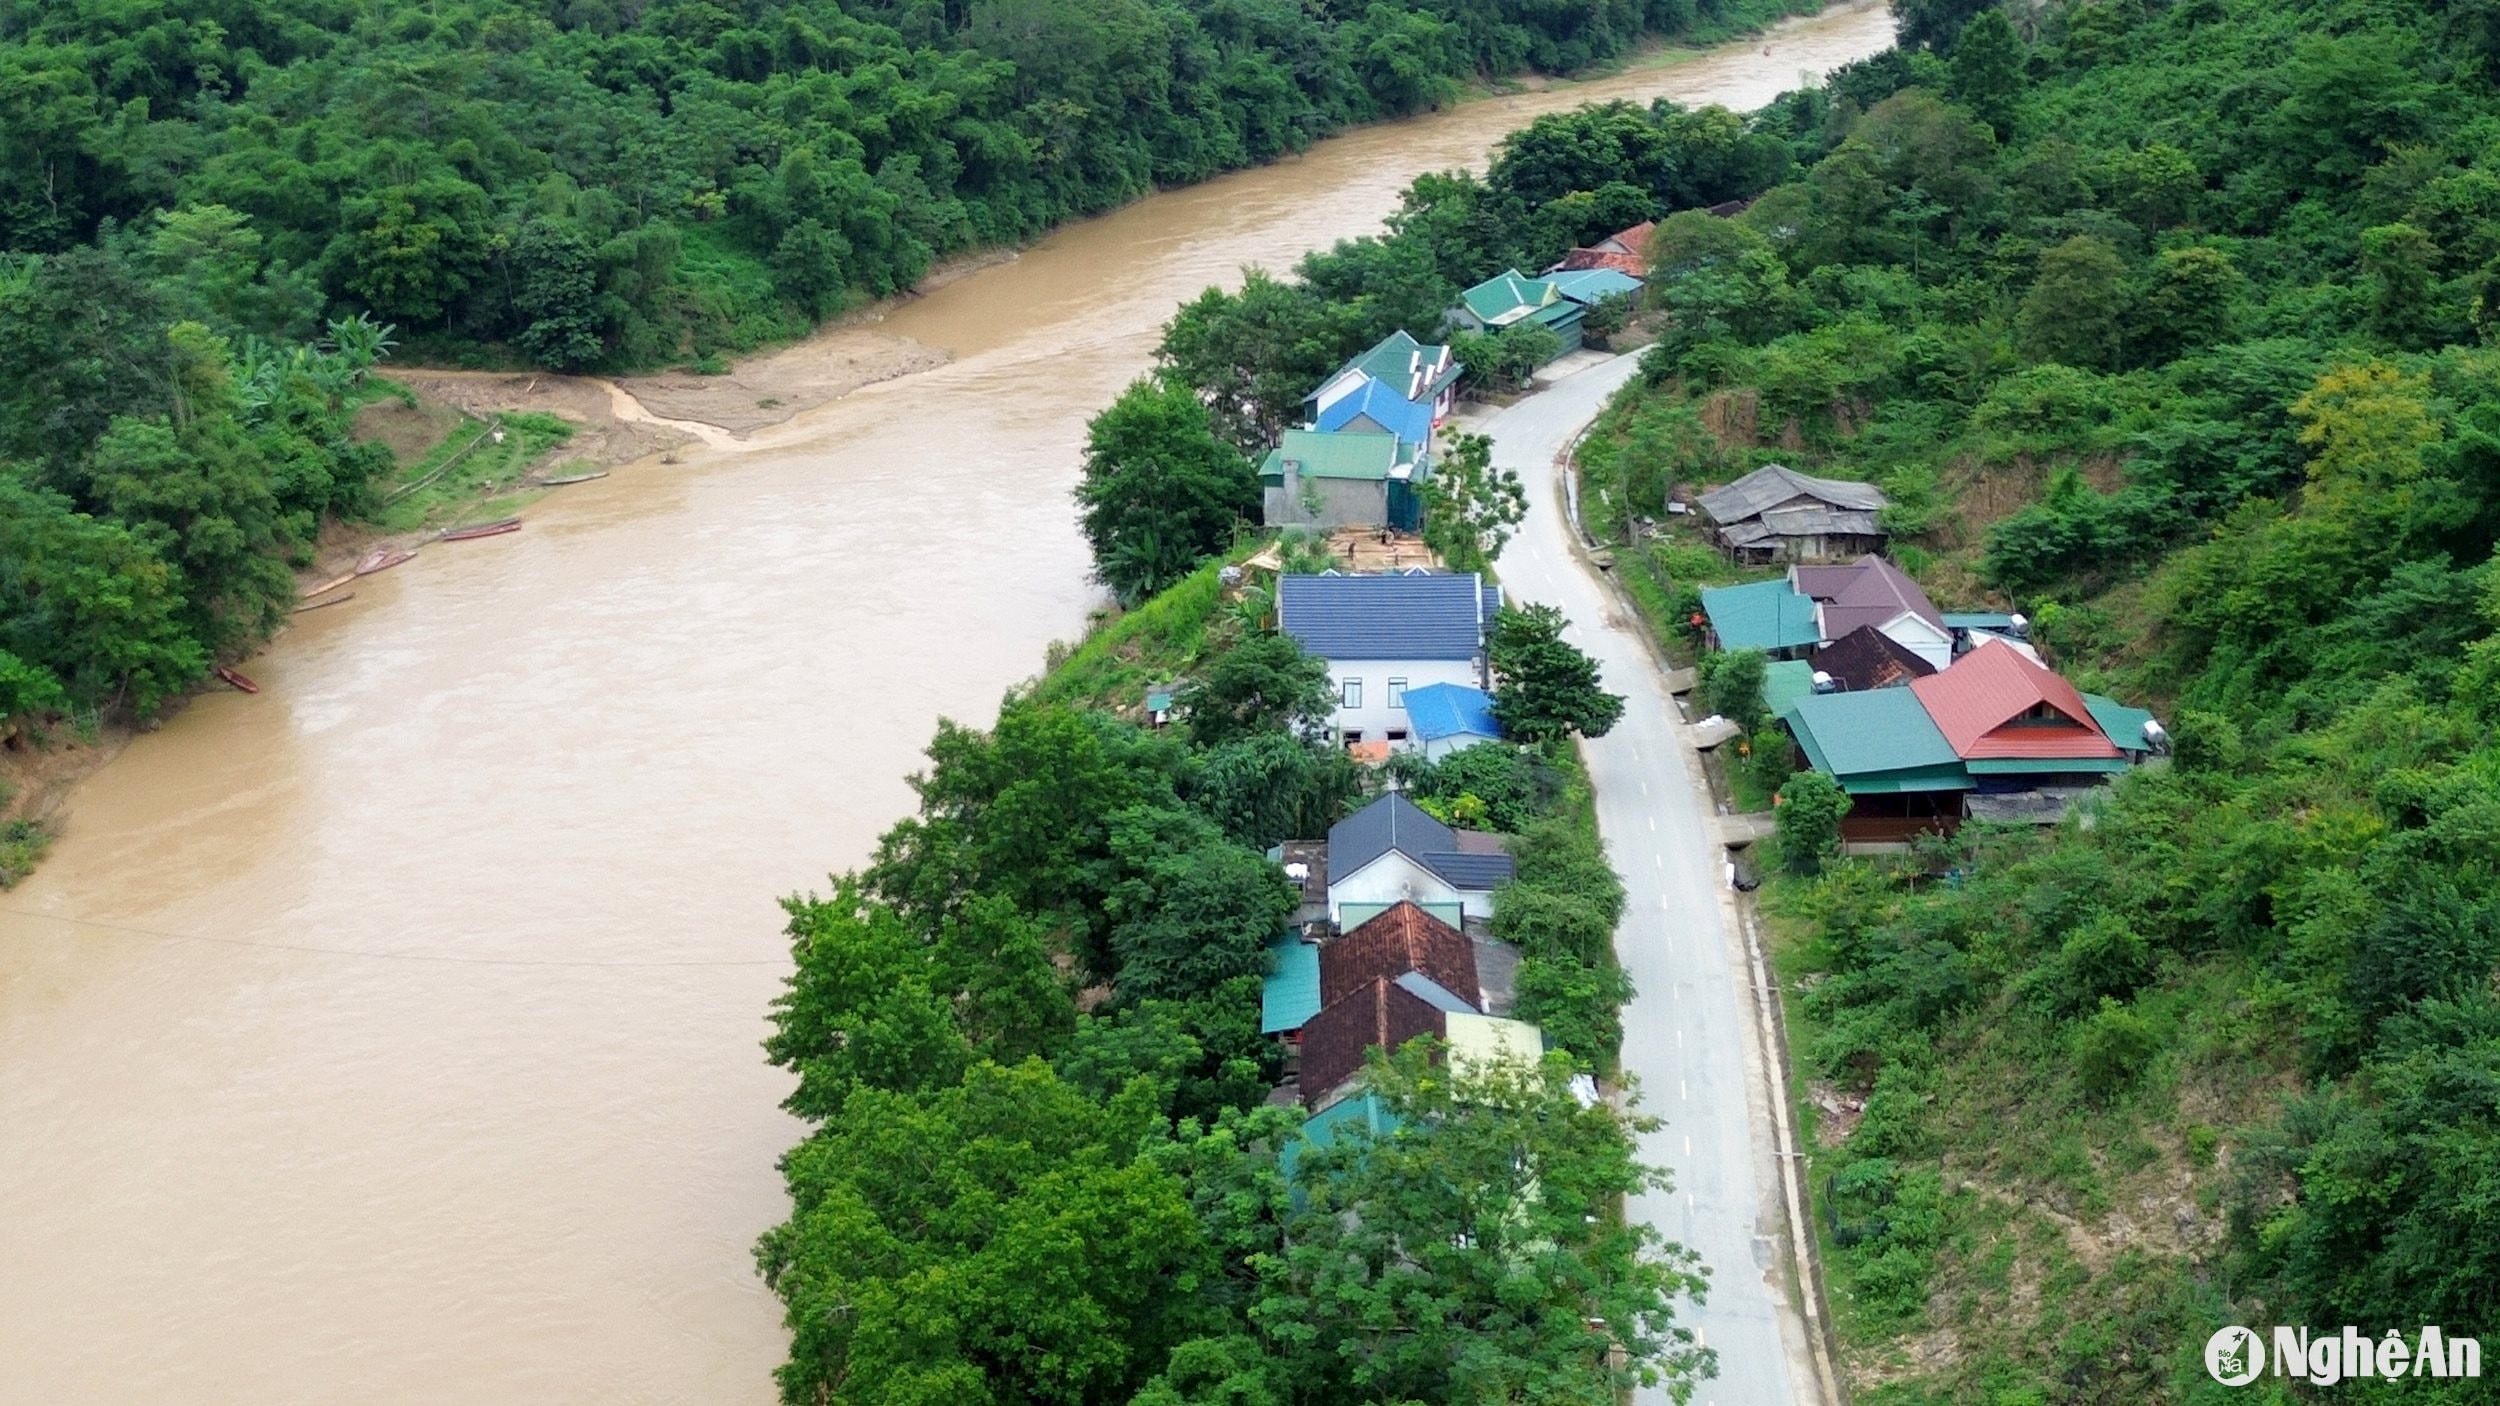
{"points": [[437, 969]]}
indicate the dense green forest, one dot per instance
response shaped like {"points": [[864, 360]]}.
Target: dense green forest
{"points": [[215, 217], [2167, 324], [594, 183], [1042, 1165]]}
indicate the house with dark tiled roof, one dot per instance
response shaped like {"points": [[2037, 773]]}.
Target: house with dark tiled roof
{"points": [[1385, 634], [1384, 1014], [1400, 939], [1391, 851], [1776, 514], [1866, 658]]}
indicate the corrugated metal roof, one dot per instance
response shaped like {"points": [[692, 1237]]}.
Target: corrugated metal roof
{"points": [[2041, 766], [1507, 297], [1978, 620], [2122, 725], [1471, 871], [1784, 682], [1365, 1115], [1437, 616], [1435, 995], [1444, 710], [1478, 1041], [1384, 406], [1760, 615], [1354, 915], [1357, 454], [1994, 685], [1290, 996], [1854, 736], [1419, 369], [1874, 593], [1402, 938], [1868, 658], [1590, 285], [1773, 484], [1391, 823]]}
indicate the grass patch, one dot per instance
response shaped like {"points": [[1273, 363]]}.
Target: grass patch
{"points": [[22, 843], [468, 474]]}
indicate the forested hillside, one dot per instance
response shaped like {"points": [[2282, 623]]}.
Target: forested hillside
{"points": [[2169, 326], [589, 183]]}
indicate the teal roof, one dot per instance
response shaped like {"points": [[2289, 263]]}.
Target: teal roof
{"points": [[2122, 725], [1159, 699], [1367, 1112], [1589, 285], [1761, 615], [1978, 620], [1507, 297], [1878, 741], [1396, 358], [1290, 996], [2042, 766], [1333, 454], [1786, 681]]}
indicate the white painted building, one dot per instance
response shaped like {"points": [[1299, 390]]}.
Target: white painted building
{"points": [[1391, 851], [1384, 635]]}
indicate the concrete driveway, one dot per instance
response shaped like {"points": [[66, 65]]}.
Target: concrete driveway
{"points": [[1690, 1032]]}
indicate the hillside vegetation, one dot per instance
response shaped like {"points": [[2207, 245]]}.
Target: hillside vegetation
{"points": [[2168, 325]]}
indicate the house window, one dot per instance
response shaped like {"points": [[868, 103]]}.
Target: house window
{"points": [[1350, 694], [1397, 735], [1397, 693]]}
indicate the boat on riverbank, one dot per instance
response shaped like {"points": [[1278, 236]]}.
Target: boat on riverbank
{"points": [[383, 559], [483, 529], [236, 679]]}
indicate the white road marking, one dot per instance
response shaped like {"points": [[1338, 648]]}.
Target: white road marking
{"points": [[1644, 788], [1653, 825], [1682, 1090], [1679, 1037], [1688, 1144]]}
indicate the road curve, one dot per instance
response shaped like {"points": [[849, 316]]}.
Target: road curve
{"points": [[1689, 1034]]}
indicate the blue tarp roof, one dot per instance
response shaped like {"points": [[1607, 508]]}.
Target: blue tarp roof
{"points": [[1409, 420], [1444, 710], [1386, 617], [1290, 996]]}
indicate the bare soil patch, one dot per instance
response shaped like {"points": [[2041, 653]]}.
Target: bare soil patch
{"points": [[777, 385]]}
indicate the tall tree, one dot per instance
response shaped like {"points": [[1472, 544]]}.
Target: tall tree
{"points": [[1544, 687], [1471, 504], [1160, 493]]}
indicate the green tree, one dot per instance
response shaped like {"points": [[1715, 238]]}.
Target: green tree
{"points": [[2076, 309], [1269, 787], [1729, 684], [2401, 265], [88, 603], [859, 1011], [1262, 683], [2190, 303], [1988, 69], [1544, 687], [1471, 504], [1474, 1253], [1811, 807], [1160, 493], [1190, 909]]}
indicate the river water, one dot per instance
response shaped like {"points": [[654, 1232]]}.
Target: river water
{"points": [[392, 1036]]}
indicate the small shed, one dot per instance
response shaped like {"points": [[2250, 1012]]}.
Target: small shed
{"points": [[1776, 514]]}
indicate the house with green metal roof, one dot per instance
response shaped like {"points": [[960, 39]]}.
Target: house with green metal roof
{"points": [[1290, 996], [1771, 616], [1426, 375], [1343, 478], [1784, 682], [1903, 777], [1510, 298]]}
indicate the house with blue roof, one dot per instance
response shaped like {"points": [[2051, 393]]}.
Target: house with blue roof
{"points": [[1392, 851], [1384, 635], [1377, 408], [1426, 375], [1447, 717]]}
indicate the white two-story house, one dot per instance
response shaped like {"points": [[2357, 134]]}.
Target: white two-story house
{"points": [[1383, 635]]}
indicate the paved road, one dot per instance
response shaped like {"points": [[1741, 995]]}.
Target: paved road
{"points": [[1688, 1034]]}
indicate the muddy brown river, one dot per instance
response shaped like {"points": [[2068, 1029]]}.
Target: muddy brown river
{"points": [[390, 1037]]}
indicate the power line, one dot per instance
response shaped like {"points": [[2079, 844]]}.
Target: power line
{"points": [[435, 957]]}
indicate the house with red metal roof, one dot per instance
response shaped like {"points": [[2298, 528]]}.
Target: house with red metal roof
{"points": [[2006, 716]]}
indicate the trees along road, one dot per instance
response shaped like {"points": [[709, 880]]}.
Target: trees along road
{"points": [[1690, 1032]]}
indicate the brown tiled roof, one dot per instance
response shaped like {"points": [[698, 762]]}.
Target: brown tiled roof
{"points": [[1402, 939], [1867, 658], [1379, 1015]]}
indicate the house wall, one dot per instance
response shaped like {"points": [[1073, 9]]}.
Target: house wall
{"points": [[1343, 502], [1442, 747], [1375, 719], [1393, 876], [1920, 638]]}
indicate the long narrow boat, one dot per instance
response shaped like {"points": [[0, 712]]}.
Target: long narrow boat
{"points": [[330, 585], [383, 559], [237, 680], [483, 529], [341, 598], [575, 478]]}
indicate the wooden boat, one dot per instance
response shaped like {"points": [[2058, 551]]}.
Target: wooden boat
{"points": [[575, 478], [340, 599], [330, 585], [483, 529], [237, 680], [383, 559]]}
